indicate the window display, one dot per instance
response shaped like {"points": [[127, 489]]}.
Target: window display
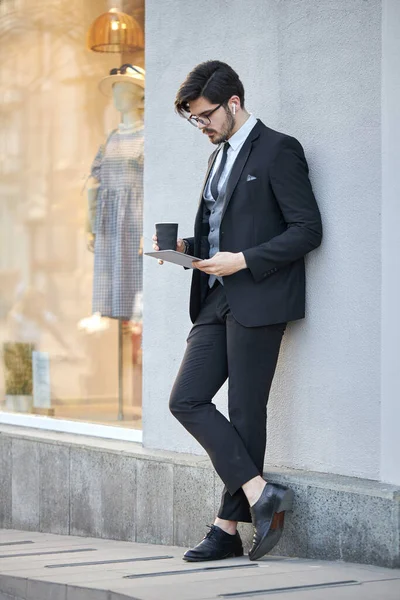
{"points": [[71, 177], [117, 208]]}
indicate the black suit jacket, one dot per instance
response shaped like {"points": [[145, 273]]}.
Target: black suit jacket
{"points": [[274, 220]]}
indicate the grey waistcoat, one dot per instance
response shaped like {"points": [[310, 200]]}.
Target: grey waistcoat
{"points": [[212, 213]]}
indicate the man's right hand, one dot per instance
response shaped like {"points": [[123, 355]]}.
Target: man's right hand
{"points": [[180, 247]]}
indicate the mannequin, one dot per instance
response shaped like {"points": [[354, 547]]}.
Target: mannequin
{"points": [[115, 195], [129, 101]]}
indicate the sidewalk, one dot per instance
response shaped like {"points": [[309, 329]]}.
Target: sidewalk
{"points": [[41, 566]]}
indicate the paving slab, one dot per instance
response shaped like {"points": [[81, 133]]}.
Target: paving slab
{"points": [[57, 576], [371, 591], [254, 587]]}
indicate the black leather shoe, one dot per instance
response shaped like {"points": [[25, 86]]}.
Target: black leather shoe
{"points": [[216, 545], [268, 515]]}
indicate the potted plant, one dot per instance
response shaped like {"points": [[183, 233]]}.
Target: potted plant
{"points": [[18, 376]]}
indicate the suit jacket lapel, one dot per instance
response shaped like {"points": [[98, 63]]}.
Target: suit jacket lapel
{"points": [[238, 166], [199, 215], [234, 176], [211, 162]]}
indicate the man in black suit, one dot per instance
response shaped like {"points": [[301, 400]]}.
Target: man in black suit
{"points": [[257, 219]]}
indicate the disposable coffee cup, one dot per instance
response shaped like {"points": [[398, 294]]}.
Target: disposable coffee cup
{"points": [[167, 235]]}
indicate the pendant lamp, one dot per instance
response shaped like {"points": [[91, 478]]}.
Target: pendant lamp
{"points": [[115, 31]]}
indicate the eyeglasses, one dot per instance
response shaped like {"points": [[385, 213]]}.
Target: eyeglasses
{"points": [[130, 69], [204, 120]]}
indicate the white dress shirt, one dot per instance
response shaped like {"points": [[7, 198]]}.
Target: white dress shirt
{"points": [[235, 144]]}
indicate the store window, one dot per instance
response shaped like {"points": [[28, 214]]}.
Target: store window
{"points": [[71, 210]]}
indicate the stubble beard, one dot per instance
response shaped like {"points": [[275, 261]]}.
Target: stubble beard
{"points": [[226, 131]]}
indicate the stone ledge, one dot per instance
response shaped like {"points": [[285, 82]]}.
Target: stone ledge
{"points": [[133, 449], [339, 518], [340, 483], [119, 490]]}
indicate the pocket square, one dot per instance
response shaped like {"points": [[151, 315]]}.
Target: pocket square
{"points": [[251, 178]]}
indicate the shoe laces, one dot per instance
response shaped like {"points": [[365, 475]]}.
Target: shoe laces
{"points": [[211, 533]]}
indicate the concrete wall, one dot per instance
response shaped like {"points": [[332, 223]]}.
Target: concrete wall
{"points": [[313, 70]]}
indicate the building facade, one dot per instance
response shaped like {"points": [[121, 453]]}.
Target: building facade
{"points": [[327, 73]]}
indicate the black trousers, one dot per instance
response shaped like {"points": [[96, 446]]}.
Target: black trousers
{"points": [[218, 347]]}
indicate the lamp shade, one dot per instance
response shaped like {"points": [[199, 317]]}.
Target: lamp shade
{"points": [[115, 31]]}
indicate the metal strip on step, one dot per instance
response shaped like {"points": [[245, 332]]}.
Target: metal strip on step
{"points": [[44, 553], [186, 571], [107, 562], [295, 588], [16, 543]]}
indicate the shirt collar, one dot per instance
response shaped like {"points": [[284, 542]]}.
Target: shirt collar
{"points": [[240, 136]]}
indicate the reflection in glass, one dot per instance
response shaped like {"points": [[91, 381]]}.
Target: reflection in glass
{"points": [[52, 120]]}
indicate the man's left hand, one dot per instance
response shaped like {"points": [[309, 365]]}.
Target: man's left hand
{"points": [[222, 264]]}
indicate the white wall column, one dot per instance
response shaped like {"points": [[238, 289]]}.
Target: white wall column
{"points": [[313, 70], [390, 356]]}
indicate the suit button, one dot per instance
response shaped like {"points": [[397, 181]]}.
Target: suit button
{"points": [[265, 274]]}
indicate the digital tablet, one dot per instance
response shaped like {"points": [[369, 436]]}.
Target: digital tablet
{"points": [[178, 258]]}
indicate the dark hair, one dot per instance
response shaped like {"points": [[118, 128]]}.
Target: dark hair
{"points": [[214, 80]]}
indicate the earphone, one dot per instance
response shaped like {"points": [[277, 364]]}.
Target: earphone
{"points": [[233, 108]]}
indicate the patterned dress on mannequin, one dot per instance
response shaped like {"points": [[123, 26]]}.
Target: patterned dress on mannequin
{"points": [[118, 267]]}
